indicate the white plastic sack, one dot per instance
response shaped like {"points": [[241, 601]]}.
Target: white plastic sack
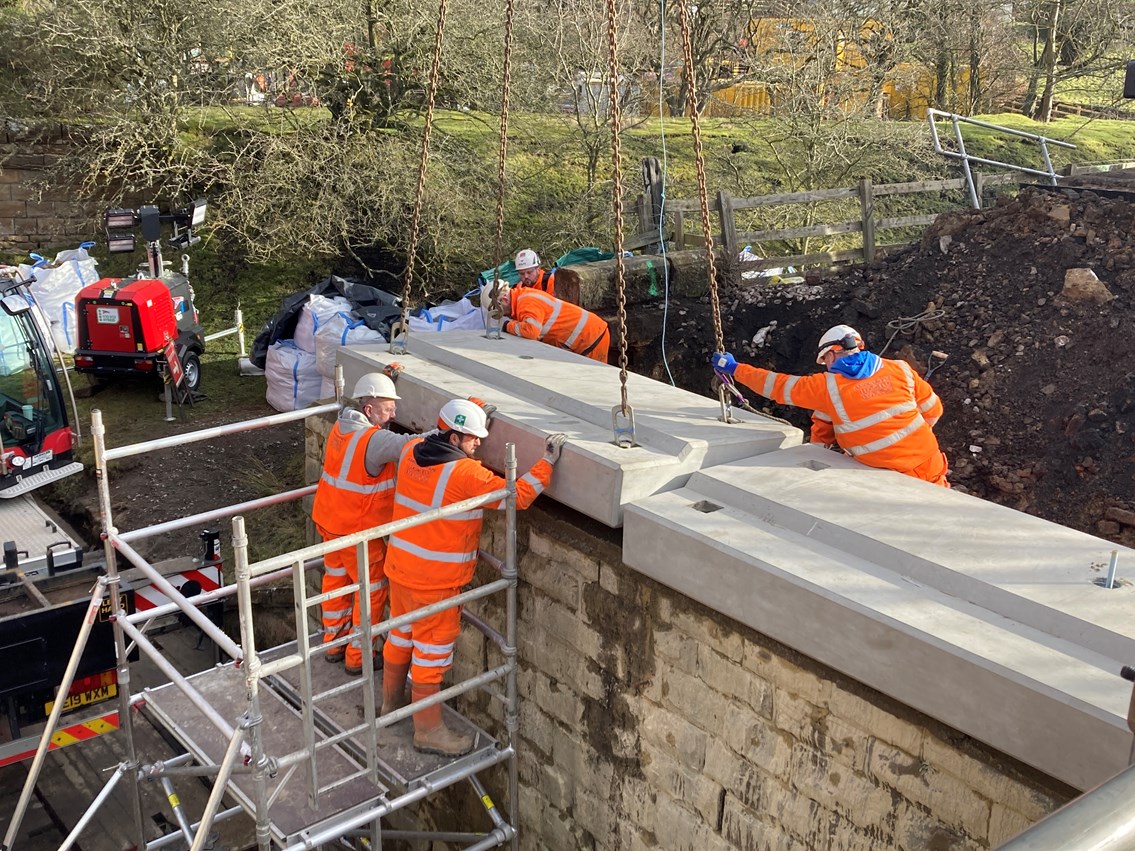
{"points": [[293, 380], [342, 329], [318, 310], [327, 388], [55, 287], [460, 315]]}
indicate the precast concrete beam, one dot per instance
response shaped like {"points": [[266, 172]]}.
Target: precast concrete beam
{"points": [[540, 389], [982, 617]]}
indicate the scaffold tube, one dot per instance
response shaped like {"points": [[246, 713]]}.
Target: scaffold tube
{"points": [[199, 618], [218, 431], [103, 794], [175, 676]]}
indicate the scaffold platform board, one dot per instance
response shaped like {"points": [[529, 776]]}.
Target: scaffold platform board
{"points": [[290, 813], [401, 767]]}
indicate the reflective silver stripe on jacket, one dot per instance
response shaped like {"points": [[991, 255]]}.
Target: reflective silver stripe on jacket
{"points": [[397, 543], [875, 418], [433, 663], [788, 385], [436, 649], [341, 481], [574, 335], [536, 484], [821, 415], [890, 440]]}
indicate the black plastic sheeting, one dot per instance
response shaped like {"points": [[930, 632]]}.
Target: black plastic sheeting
{"points": [[377, 308]]}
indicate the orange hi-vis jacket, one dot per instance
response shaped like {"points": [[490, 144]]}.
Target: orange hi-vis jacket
{"points": [[442, 553], [539, 316], [545, 283], [885, 420], [348, 499]]}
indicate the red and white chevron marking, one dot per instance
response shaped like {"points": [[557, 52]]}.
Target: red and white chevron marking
{"points": [[210, 578]]}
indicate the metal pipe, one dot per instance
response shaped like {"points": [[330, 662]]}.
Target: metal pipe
{"points": [[432, 835], [461, 688], [178, 811], [218, 790], [498, 837], [487, 801], [170, 838], [1112, 565], [336, 544], [218, 431], [433, 608], [385, 807], [176, 677], [56, 711], [253, 719], [1099, 820], [103, 794], [122, 659], [216, 594], [489, 632], [199, 618], [216, 514], [512, 705]]}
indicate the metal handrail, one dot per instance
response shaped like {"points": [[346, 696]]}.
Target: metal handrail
{"points": [[957, 120], [1099, 820]]}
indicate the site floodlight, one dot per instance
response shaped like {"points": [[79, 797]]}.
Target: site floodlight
{"points": [[119, 242], [151, 223], [197, 212], [118, 218]]}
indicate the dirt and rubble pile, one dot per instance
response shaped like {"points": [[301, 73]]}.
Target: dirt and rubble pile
{"points": [[1033, 302]]}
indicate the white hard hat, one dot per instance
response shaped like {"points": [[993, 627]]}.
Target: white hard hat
{"points": [[487, 292], [526, 258], [375, 384], [464, 417], [842, 337]]}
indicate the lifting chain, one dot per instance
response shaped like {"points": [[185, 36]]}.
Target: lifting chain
{"points": [[403, 327], [495, 319], [622, 416], [703, 194]]}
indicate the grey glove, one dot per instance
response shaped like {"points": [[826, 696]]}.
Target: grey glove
{"points": [[553, 447]]}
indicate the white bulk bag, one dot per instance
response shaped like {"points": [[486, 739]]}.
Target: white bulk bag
{"points": [[318, 310], [55, 287], [293, 380], [461, 315], [342, 329]]}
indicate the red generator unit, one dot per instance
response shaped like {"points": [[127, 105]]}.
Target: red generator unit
{"points": [[124, 326]]}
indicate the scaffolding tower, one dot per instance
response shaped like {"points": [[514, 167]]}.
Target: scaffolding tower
{"points": [[280, 735]]}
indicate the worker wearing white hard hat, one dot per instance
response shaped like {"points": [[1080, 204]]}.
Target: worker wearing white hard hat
{"points": [[431, 562], [355, 492], [879, 411], [527, 265]]}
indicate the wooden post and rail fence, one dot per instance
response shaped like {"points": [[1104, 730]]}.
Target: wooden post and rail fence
{"points": [[682, 226]]}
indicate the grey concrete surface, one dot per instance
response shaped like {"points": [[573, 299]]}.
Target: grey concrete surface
{"points": [[982, 617], [540, 390]]}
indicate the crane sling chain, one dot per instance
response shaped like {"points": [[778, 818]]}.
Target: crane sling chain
{"points": [[400, 333], [495, 320]]}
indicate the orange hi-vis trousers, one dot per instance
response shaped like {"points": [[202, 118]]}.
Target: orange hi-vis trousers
{"points": [[426, 644], [340, 568]]}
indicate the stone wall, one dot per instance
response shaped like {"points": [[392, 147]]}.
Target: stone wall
{"points": [[31, 218], [648, 721]]}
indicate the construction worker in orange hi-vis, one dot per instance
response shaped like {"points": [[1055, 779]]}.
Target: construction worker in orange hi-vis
{"points": [[527, 265], [431, 562], [879, 411], [356, 492], [538, 316]]}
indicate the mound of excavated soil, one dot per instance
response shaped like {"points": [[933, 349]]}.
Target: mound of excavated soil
{"points": [[1039, 394]]}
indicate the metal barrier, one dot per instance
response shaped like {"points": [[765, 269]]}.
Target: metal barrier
{"points": [[245, 753], [238, 329], [932, 116]]}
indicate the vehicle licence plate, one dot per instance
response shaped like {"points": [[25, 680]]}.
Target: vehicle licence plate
{"points": [[106, 315], [85, 698]]}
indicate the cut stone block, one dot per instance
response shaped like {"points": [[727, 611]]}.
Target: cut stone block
{"points": [[540, 389], [977, 615]]}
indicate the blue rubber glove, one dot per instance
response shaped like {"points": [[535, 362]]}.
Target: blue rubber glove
{"points": [[723, 362]]}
